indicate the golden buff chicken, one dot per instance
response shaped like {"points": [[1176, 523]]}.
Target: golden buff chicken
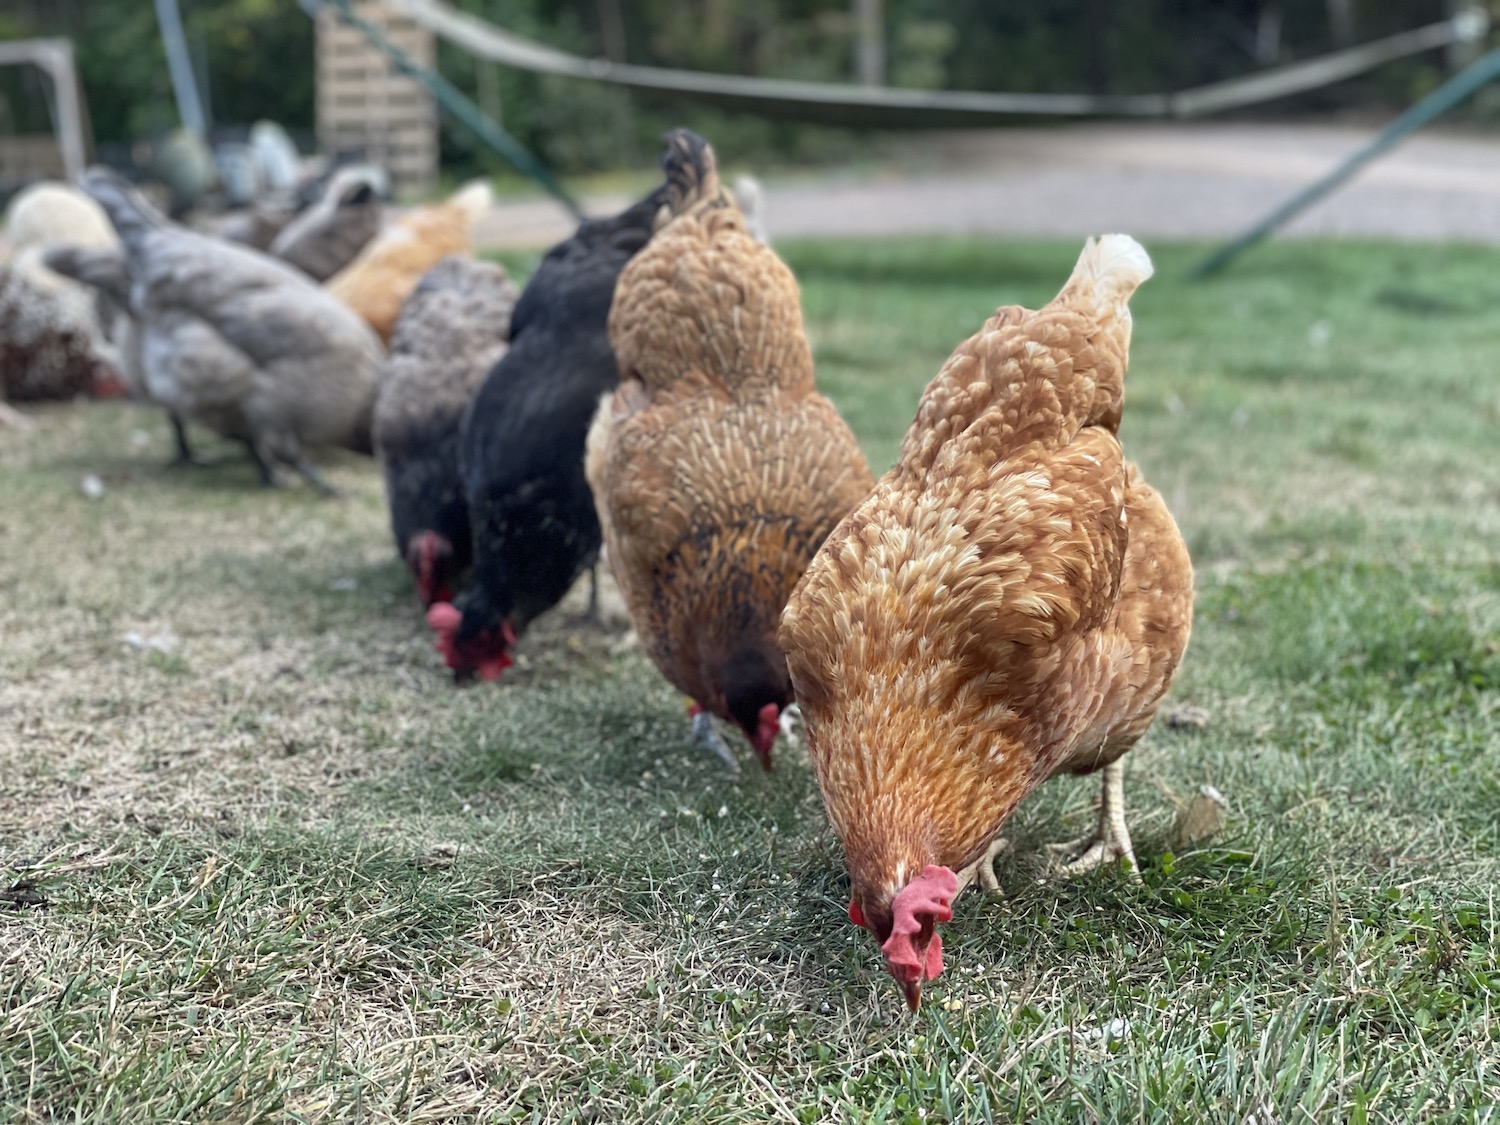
{"points": [[717, 468], [377, 283], [1010, 603]]}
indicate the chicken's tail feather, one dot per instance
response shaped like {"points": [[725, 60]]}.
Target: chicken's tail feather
{"points": [[132, 216], [103, 268], [473, 199], [751, 198], [691, 169], [1109, 270]]}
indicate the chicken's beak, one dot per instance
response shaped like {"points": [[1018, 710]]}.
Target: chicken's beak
{"points": [[912, 989]]}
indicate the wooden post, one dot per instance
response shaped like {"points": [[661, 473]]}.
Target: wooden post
{"points": [[1463, 52], [1268, 35], [1341, 22], [365, 105], [869, 24], [612, 30]]}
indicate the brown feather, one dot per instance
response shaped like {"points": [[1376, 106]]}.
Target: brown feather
{"points": [[717, 468], [1010, 602]]}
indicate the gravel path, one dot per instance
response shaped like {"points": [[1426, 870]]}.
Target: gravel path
{"points": [[1162, 181]]}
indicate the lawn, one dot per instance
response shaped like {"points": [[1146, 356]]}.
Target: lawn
{"points": [[267, 863]]}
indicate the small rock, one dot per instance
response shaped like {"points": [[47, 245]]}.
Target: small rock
{"points": [[1189, 718], [1200, 819], [438, 857], [92, 487], [344, 584], [166, 642], [1117, 1028]]}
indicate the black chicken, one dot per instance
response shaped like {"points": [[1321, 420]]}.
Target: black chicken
{"points": [[521, 446]]}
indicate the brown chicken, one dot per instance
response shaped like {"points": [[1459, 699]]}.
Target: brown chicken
{"points": [[716, 467], [377, 283], [1010, 603]]}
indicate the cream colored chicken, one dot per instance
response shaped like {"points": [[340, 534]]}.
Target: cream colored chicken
{"points": [[377, 283]]}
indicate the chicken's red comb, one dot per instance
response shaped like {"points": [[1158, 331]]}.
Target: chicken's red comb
{"points": [[767, 727], [424, 554], [443, 617], [491, 665], [107, 384], [915, 912]]}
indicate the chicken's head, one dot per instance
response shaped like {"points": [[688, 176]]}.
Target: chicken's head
{"points": [[481, 652], [908, 931], [756, 690], [107, 383], [429, 556]]}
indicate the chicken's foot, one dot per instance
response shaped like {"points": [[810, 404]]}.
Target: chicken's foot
{"points": [[984, 868], [314, 476], [708, 736], [592, 613], [1110, 842], [264, 465], [185, 454]]}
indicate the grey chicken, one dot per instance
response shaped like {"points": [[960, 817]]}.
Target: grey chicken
{"points": [[242, 343], [329, 235]]}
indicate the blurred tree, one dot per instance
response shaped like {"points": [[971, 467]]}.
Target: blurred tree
{"points": [[259, 55]]}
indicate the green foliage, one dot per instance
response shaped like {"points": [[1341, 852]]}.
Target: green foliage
{"points": [[257, 53]]}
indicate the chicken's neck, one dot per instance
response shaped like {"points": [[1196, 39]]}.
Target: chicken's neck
{"points": [[884, 857]]}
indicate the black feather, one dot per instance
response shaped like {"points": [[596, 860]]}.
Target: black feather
{"points": [[534, 526]]}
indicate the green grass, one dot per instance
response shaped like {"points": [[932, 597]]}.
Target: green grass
{"points": [[285, 871]]}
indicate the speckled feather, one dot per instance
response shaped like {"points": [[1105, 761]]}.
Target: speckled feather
{"points": [[1009, 603], [717, 467], [452, 330], [46, 347]]}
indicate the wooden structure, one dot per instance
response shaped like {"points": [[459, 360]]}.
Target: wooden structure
{"points": [[366, 107]]}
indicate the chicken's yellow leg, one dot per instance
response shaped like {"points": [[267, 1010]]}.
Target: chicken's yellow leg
{"points": [[1110, 842], [984, 869]]}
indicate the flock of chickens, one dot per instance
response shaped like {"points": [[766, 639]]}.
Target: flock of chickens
{"points": [[1009, 602]]}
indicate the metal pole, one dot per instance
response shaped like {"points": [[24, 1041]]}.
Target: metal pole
{"points": [[1435, 104], [69, 122], [869, 25], [180, 66]]}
